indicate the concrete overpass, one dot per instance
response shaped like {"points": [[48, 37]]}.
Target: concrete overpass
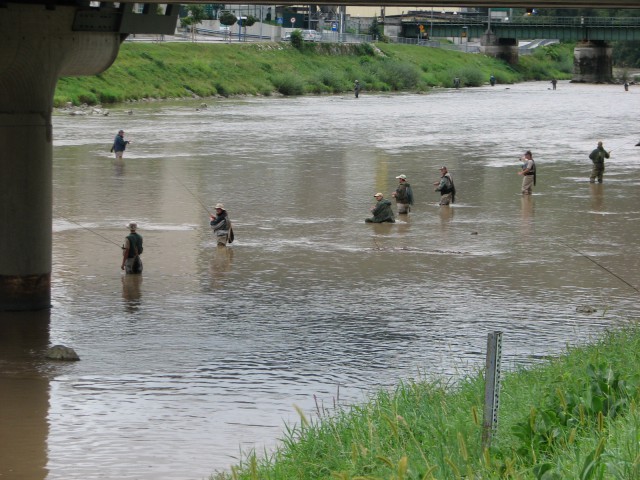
{"points": [[43, 40]]}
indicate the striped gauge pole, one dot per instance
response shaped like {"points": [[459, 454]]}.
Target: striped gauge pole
{"points": [[491, 387]]}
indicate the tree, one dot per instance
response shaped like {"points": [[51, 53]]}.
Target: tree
{"points": [[227, 18], [197, 14], [375, 28], [247, 22], [250, 20]]}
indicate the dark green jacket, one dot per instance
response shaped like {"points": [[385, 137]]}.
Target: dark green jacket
{"points": [[382, 212], [598, 155], [135, 244], [404, 194]]}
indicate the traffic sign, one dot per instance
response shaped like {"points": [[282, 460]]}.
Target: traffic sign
{"points": [[293, 20], [280, 20], [334, 27]]}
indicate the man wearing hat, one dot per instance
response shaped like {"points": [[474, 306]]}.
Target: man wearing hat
{"points": [[597, 156], [528, 173], [403, 195], [119, 145], [221, 225], [131, 250], [382, 211], [446, 187]]}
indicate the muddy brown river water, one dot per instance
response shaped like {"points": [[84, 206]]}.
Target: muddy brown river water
{"points": [[207, 353]]}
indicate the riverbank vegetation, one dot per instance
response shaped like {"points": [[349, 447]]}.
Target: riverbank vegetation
{"points": [[177, 70], [576, 416]]}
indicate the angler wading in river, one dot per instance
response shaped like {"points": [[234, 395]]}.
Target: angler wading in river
{"points": [[381, 211], [597, 156], [446, 187], [221, 225], [403, 195], [131, 250], [528, 173]]}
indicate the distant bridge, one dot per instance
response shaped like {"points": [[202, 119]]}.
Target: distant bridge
{"points": [[560, 28]]}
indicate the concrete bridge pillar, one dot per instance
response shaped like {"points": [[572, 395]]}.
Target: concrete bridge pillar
{"points": [[505, 49], [592, 62], [37, 46]]}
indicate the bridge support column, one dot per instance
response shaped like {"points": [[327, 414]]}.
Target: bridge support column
{"points": [[37, 46], [505, 49], [592, 62]]}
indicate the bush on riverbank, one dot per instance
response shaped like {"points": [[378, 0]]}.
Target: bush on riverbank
{"points": [[176, 70], [575, 416]]}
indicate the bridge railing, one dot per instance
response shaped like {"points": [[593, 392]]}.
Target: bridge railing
{"points": [[547, 21]]}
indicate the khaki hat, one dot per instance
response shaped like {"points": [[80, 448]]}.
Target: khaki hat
{"points": [[220, 206], [402, 177], [132, 225], [378, 195]]}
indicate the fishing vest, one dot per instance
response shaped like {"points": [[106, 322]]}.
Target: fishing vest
{"points": [[533, 168], [448, 185], [135, 244]]}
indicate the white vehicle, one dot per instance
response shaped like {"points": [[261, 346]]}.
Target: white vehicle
{"points": [[307, 35]]}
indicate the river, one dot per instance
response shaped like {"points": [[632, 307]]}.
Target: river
{"points": [[209, 351]]}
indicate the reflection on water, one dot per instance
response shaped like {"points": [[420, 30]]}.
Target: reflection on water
{"points": [[221, 259], [131, 292], [597, 197], [210, 353], [24, 395], [118, 167]]}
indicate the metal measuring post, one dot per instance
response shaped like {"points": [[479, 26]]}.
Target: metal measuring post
{"points": [[491, 387]]}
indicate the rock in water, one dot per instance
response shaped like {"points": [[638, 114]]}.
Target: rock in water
{"points": [[586, 309], [60, 352]]}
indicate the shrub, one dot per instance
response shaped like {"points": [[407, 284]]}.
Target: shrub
{"points": [[399, 75], [228, 19], [89, 98], [297, 40], [471, 77], [249, 21], [221, 89], [110, 96], [364, 49], [332, 80], [288, 84]]}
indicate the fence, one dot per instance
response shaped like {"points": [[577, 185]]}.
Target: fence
{"points": [[224, 35]]}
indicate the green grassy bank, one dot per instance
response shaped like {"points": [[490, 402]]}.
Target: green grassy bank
{"points": [[573, 417], [176, 70]]}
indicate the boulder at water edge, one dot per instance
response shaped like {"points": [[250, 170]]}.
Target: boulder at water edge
{"points": [[60, 352]]}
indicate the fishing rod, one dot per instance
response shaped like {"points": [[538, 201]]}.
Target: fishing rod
{"points": [[92, 231], [601, 266], [231, 236], [193, 195]]}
